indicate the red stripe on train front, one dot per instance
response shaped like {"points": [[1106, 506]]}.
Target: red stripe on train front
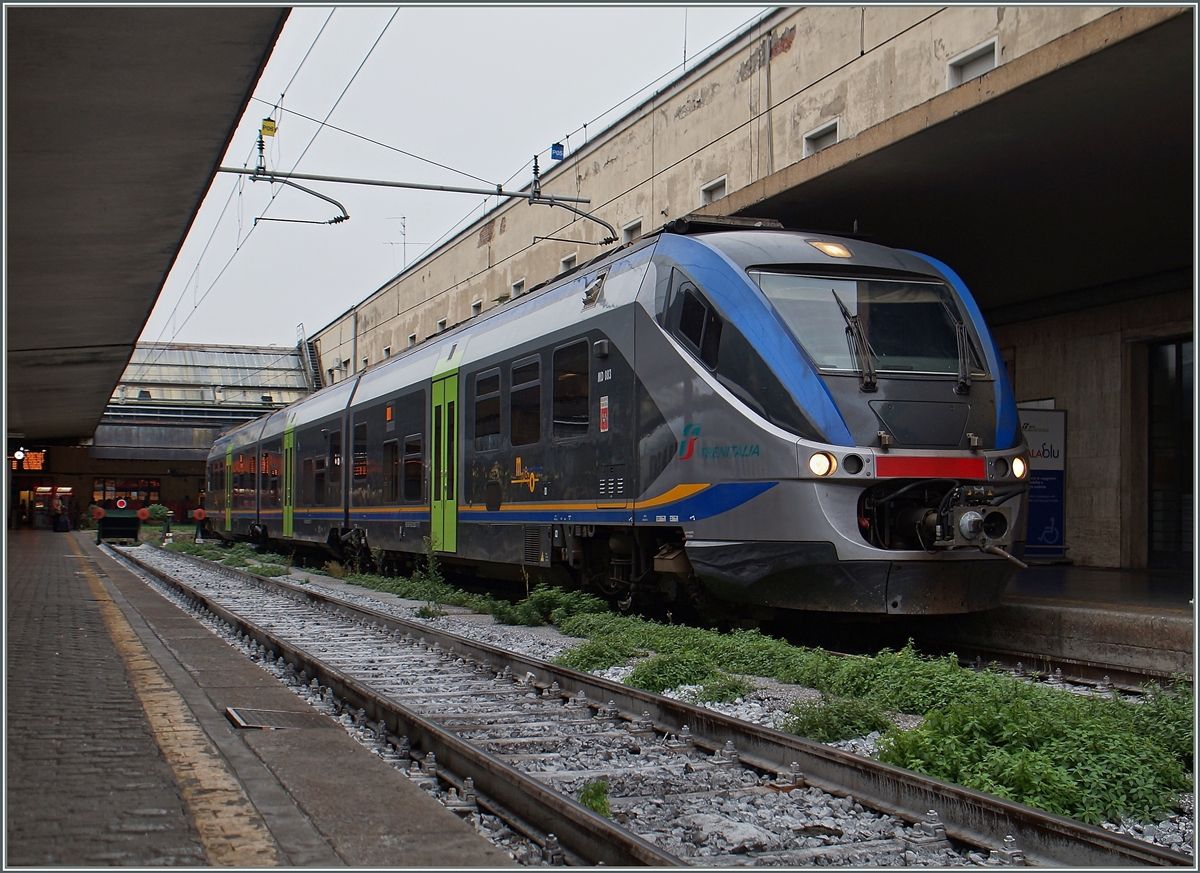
{"points": [[918, 467]]}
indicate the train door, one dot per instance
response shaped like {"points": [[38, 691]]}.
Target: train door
{"points": [[228, 483], [443, 508], [289, 477]]}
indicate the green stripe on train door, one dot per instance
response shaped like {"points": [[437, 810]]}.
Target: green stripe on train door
{"points": [[289, 477], [443, 508], [229, 487]]}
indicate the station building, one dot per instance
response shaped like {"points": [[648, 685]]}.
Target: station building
{"points": [[1045, 153], [150, 447]]}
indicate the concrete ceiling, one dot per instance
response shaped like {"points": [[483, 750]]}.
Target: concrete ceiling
{"points": [[117, 119], [1074, 189]]}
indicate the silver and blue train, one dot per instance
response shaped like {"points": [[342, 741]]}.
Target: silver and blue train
{"points": [[728, 412]]}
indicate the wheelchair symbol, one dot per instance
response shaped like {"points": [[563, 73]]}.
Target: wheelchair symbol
{"points": [[1050, 534]]}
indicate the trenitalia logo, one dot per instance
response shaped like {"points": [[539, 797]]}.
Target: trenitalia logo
{"points": [[690, 434]]}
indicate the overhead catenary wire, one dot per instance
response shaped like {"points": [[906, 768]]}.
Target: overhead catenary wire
{"points": [[242, 242], [235, 189], [584, 129]]}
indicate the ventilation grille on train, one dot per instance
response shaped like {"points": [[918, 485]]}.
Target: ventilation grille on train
{"points": [[533, 545], [612, 487]]}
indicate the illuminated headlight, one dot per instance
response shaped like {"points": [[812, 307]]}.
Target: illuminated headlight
{"points": [[822, 464], [834, 250], [1019, 467]]}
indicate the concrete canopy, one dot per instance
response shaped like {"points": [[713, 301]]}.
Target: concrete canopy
{"points": [[1061, 180], [117, 119]]}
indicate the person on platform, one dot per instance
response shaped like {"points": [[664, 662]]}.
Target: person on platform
{"points": [[56, 513]]}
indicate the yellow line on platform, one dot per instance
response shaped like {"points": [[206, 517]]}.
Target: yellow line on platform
{"points": [[231, 830]]}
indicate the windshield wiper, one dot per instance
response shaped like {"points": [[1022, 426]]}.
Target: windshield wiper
{"points": [[862, 351], [964, 351]]}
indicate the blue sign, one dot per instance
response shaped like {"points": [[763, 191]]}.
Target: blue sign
{"points": [[1046, 432], [556, 151]]}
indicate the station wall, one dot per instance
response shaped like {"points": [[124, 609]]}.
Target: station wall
{"points": [[1094, 363], [750, 110]]}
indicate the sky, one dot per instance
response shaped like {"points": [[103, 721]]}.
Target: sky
{"points": [[434, 95]]}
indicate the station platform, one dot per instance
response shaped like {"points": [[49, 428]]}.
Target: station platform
{"points": [[119, 751], [1140, 621]]}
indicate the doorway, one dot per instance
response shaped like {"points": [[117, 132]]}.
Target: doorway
{"points": [[1172, 369]]}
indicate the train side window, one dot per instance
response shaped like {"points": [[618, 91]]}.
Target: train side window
{"points": [[487, 411], [335, 448], [571, 386], [414, 468], [360, 450], [319, 482], [391, 471], [699, 326], [526, 402], [307, 482]]}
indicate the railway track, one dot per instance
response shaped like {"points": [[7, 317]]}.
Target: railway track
{"points": [[686, 785]]}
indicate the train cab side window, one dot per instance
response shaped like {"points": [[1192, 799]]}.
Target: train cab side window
{"points": [[487, 411], [525, 402], [414, 468], [571, 386], [360, 450], [699, 325], [391, 471]]}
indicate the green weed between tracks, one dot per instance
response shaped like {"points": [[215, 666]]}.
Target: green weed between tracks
{"points": [[1090, 758]]}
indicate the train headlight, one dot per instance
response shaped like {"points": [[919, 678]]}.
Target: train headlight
{"points": [[834, 250], [822, 464], [1019, 467]]}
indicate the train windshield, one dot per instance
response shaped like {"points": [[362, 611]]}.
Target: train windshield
{"points": [[911, 327]]}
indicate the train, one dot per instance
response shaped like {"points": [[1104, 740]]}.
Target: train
{"points": [[723, 412]]}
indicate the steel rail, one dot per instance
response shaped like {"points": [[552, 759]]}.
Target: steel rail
{"points": [[969, 816], [511, 793]]}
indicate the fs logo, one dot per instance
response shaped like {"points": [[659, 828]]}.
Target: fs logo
{"points": [[690, 433]]}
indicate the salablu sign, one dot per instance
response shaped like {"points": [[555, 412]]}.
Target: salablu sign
{"points": [[1046, 433]]}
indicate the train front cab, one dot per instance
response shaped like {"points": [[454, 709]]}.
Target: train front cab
{"points": [[913, 497]]}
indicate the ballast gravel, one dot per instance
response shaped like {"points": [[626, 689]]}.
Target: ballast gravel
{"points": [[745, 819]]}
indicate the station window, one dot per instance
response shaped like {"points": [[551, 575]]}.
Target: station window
{"points": [[526, 402], [571, 385], [567, 263], [391, 471], [414, 468], [971, 64], [713, 191], [441, 325], [518, 288], [821, 138], [487, 411], [631, 231], [476, 307], [412, 340], [387, 351]]}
